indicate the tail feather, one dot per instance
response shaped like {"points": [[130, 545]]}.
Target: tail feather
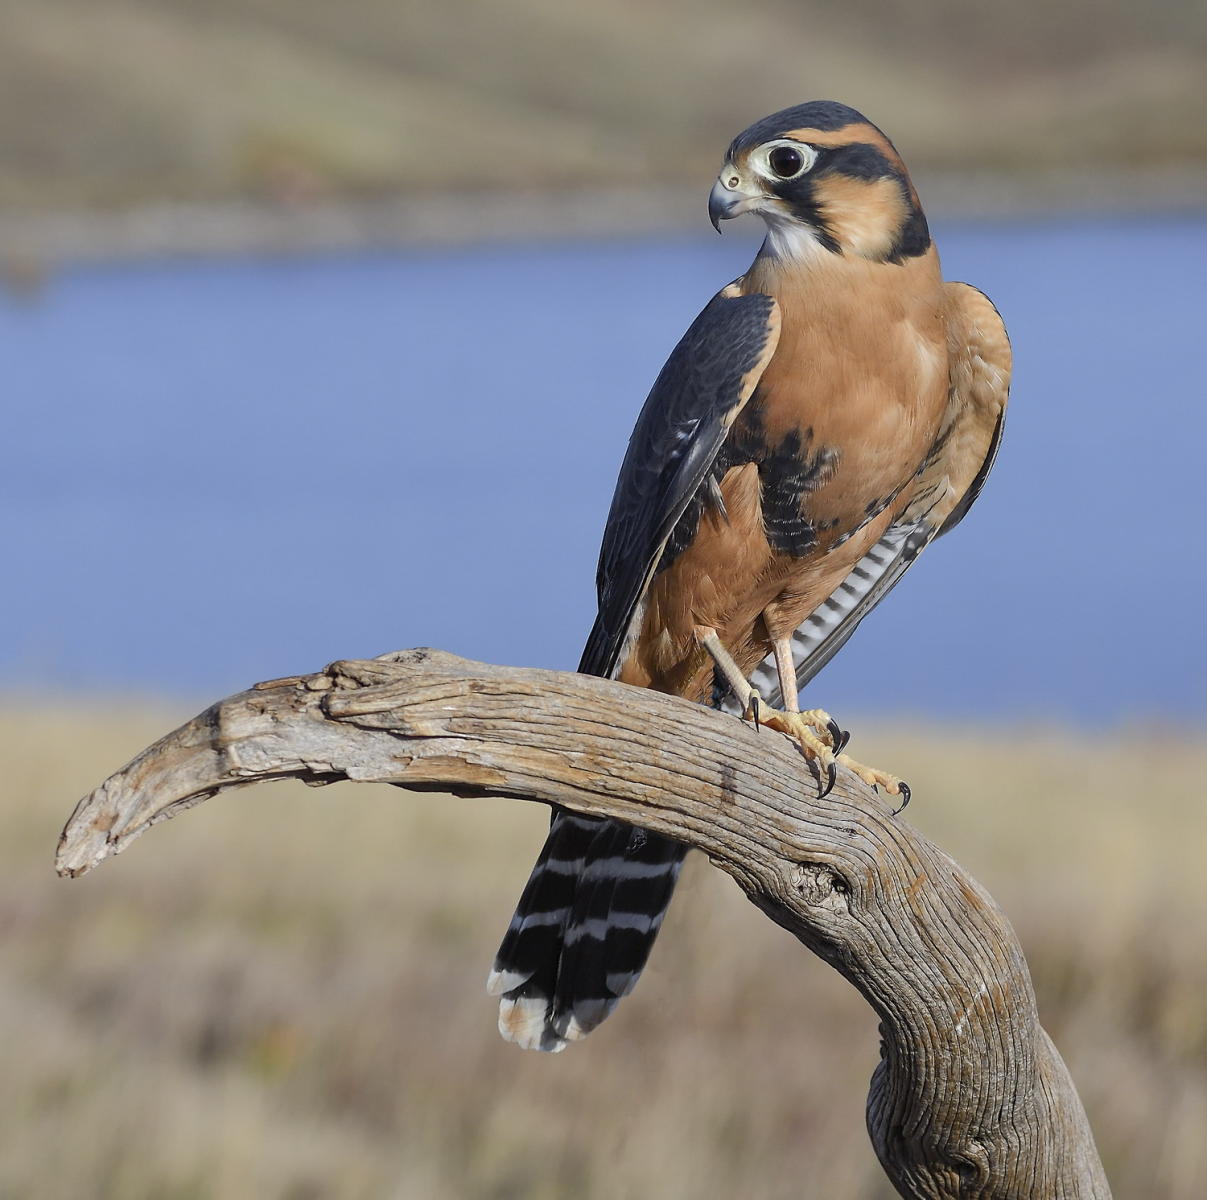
{"points": [[534, 937], [622, 897], [583, 929]]}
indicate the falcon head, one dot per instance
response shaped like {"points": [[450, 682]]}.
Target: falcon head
{"points": [[823, 178]]}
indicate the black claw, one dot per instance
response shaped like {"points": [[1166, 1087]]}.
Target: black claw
{"points": [[755, 701], [834, 731], [844, 737], [831, 778], [903, 788]]}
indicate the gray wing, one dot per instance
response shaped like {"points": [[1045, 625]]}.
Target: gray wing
{"points": [[708, 378]]}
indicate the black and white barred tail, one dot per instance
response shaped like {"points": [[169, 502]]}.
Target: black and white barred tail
{"points": [[583, 929]]}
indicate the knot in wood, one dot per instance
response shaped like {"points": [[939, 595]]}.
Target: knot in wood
{"points": [[819, 885], [973, 1168]]}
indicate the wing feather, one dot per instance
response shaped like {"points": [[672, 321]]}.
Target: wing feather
{"points": [[707, 380]]}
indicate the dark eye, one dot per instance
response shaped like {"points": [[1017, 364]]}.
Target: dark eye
{"points": [[786, 162]]}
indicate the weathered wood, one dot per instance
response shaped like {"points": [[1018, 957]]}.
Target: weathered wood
{"points": [[970, 1099]]}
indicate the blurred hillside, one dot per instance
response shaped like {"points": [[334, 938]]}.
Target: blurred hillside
{"points": [[111, 102]]}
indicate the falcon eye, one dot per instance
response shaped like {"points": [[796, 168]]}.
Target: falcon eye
{"points": [[786, 162]]}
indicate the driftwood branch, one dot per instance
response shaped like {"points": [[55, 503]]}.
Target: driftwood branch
{"points": [[970, 1099]]}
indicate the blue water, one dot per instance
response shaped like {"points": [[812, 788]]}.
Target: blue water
{"points": [[220, 472]]}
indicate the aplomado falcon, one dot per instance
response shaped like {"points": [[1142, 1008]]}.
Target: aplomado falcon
{"points": [[825, 418]]}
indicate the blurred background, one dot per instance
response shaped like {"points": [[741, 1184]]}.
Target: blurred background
{"points": [[323, 329]]}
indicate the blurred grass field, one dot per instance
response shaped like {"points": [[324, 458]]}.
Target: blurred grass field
{"points": [[111, 102], [281, 993]]}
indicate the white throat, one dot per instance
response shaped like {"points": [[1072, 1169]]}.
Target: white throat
{"points": [[791, 240]]}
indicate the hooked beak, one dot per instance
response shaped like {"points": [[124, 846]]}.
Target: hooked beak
{"points": [[731, 196]]}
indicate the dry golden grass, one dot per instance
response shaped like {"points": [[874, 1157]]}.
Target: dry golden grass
{"points": [[225, 1012]]}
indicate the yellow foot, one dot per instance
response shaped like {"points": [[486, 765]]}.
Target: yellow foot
{"points": [[822, 742], [815, 731], [870, 775]]}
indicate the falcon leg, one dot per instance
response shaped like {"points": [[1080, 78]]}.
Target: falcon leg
{"points": [[816, 725], [785, 667], [817, 733], [748, 696], [816, 717], [811, 730]]}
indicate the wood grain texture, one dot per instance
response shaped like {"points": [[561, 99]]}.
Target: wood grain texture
{"points": [[970, 1099]]}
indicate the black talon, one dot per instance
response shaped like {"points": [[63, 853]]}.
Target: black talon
{"points": [[844, 737], [835, 732], [903, 788], [831, 778], [755, 701]]}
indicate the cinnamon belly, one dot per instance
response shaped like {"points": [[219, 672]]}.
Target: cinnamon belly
{"points": [[810, 477]]}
